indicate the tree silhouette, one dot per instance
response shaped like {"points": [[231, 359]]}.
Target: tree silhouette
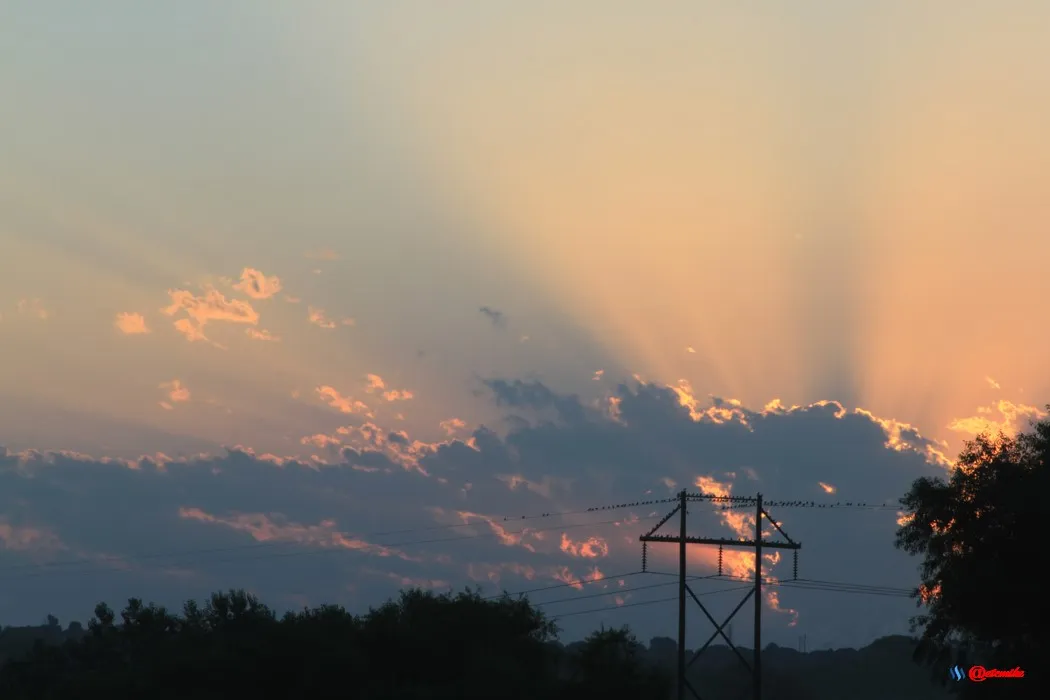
{"points": [[979, 533], [610, 663], [421, 646]]}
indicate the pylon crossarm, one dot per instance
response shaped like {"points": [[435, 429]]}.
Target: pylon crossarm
{"points": [[713, 498], [777, 526], [661, 523], [750, 544]]}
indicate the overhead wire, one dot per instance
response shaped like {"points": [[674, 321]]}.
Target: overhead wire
{"points": [[609, 608]]}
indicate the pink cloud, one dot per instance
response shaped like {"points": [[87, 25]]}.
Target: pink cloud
{"points": [[318, 318], [262, 334], [209, 307], [257, 285], [267, 528], [452, 426], [377, 385], [343, 404], [131, 324], [34, 308], [177, 393]]}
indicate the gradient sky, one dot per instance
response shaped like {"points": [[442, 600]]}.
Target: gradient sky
{"points": [[349, 268]]}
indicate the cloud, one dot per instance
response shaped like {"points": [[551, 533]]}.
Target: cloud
{"points": [[210, 307], [497, 317], [343, 404], [34, 308], [452, 426], [28, 539], [176, 392], [131, 324], [377, 385], [590, 548], [266, 528], [261, 334], [310, 522], [318, 317], [992, 383], [598, 375], [1002, 416], [292, 300], [257, 285]]}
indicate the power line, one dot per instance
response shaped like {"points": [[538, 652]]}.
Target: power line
{"points": [[720, 503], [605, 593], [644, 602], [365, 536], [833, 586], [607, 608], [586, 581]]}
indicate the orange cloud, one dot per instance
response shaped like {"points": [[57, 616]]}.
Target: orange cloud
{"points": [[565, 575], [505, 536], [262, 334], [1003, 415], [344, 404], [723, 410], [211, 306], [264, 529], [320, 440], [992, 383], [292, 300], [257, 285], [376, 384], [28, 539], [131, 324], [395, 445], [828, 488], [598, 375], [452, 426], [317, 317], [737, 562], [34, 308], [590, 548], [177, 393]]}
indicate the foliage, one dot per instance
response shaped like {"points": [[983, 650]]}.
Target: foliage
{"points": [[421, 646], [979, 533]]}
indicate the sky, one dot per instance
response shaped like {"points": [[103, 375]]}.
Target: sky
{"points": [[315, 299]]}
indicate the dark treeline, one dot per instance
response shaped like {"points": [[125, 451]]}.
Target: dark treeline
{"points": [[422, 646], [418, 647]]}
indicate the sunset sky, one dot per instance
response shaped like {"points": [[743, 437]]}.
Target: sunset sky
{"points": [[344, 269]]}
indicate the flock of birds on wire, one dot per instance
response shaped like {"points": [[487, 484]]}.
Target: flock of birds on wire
{"points": [[726, 503]]}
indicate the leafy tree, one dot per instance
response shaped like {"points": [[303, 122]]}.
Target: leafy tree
{"points": [[980, 534], [421, 646], [610, 664]]}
